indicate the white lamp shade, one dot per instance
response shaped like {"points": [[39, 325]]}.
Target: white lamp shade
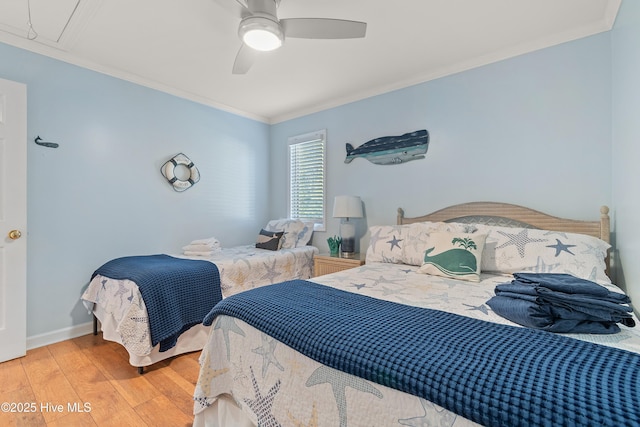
{"points": [[347, 207], [261, 33]]}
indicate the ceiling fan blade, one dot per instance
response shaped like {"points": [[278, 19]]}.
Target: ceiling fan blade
{"points": [[244, 59], [323, 28], [236, 7]]}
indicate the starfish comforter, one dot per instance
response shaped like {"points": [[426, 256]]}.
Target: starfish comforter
{"points": [[451, 360]]}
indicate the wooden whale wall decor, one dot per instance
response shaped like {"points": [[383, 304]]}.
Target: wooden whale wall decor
{"points": [[392, 150]]}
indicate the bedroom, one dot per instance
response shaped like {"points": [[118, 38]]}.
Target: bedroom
{"points": [[575, 100]]}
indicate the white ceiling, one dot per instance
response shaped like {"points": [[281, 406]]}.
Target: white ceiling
{"points": [[187, 47]]}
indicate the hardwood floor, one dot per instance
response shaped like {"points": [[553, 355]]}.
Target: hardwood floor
{"points": [[87, 381]]}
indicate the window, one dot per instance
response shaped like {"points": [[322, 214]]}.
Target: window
{"points": [[307, 178]]}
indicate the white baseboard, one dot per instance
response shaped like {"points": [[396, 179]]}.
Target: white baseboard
{"points": [[53, 337]]}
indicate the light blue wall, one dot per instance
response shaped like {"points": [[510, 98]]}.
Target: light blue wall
{"points": [[100, 195], [626, 146], [534, 130]]}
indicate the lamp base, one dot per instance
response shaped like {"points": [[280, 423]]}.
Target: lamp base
{"points": [[347, 254], [348, 236]]}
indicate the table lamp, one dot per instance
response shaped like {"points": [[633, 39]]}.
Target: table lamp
{"points": [[345, 207]]}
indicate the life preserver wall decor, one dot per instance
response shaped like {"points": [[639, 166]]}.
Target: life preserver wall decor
{"points": [[168, 170]]}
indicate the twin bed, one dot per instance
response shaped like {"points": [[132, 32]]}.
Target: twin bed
{"points": [[124, 317], [395, 342]]}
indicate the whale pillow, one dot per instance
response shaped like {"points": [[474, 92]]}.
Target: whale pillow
{"points": [[454, 255], [270, 240], [417, 237], [403, 244]]}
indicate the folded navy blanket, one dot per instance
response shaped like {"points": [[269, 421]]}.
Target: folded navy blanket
{"points": [[177, 292], [495, 375], [561, 303]]}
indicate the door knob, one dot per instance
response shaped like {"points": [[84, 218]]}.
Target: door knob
{"points": [[15, 234]]}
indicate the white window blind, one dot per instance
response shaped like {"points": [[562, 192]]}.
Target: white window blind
{"points": [[307, 178]]}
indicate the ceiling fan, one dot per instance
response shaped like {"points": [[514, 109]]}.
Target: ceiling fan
{"points": [[261, 30]]}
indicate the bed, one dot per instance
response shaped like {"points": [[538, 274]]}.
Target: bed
{"points": [[328, 378], [118, 304]]}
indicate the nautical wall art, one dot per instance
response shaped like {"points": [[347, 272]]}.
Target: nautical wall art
{"points": [[180, 172], [392, 150]]}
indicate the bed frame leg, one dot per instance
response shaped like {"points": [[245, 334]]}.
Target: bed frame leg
{"points": [[140, 370], [95, 325]]}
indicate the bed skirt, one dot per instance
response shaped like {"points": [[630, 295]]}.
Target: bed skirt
{"points": [[192, 340]]}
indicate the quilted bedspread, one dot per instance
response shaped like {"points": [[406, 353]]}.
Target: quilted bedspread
{"points": [[463, 364], [178, 293], [275, 385], [240, 268]]}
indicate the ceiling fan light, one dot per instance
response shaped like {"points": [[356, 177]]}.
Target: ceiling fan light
{"points": [[262, 40], [261, 33]]}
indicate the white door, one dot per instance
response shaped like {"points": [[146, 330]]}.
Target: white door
{"points": [[13, 220]]}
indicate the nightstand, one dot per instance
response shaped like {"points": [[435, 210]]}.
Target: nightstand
{"points": [[326, 263]]}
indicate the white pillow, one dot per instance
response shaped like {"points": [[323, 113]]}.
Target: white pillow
{"points": [[296, 232], [304, 237], [454, 255], [509, 250], [386, 243]]}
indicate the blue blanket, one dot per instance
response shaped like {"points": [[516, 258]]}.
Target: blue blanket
{"points": [[492, 374], [177, 292], [561, 303]]}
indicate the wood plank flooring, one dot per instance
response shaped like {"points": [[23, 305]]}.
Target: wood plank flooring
{"points": [[87, 381]]}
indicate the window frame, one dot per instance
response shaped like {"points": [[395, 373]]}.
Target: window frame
{"points": [[320, 135]]}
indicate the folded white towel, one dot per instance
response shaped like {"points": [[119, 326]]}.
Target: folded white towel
{"points": [[211, 242], [201, 248], [200, 253]]}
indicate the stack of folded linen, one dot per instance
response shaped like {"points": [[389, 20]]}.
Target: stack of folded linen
{"points": [[202, 247], [561, 303]]}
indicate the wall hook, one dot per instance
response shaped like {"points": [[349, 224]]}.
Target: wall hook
{"points": [[39, 141]]}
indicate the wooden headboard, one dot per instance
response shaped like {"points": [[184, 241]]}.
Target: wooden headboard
{"points": [[515, 216]]}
